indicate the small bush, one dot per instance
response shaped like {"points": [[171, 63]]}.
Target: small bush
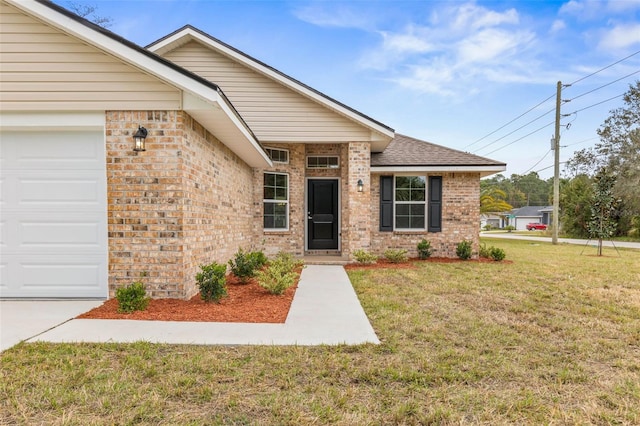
{"points": [[243, 266], [132, 298], [424, 249], [396, 255], [364, 257], [280, 273], [484, 251], [509, 228], [258, 258], [212, 282], [463, 250], [488, 227], [497, 254]]}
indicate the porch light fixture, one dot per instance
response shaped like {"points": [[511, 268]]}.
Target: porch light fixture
{"points": [[360, 185], [139, 138]]}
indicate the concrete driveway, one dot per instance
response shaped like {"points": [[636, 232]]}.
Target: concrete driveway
{"points": [[23, 319]]}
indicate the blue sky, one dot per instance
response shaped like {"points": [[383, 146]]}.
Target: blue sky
{"points": [[449, 72]]}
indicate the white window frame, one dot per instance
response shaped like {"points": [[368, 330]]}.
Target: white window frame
{"points": [[275, 201], [270, 151], [396, 203], [327, 167]]}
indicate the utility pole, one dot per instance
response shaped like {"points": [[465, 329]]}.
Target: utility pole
{"points": [[556, 169]]}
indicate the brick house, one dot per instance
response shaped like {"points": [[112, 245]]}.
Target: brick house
{"points": [[238, 155]]}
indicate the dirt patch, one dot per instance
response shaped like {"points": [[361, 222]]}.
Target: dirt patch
{"points": [[245, 303]]}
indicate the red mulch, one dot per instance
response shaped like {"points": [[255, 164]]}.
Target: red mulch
{"points": [[244, 303]]}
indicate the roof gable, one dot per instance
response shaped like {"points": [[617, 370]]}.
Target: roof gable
{"points": [[202, 99], [408, 154], [269, 80]]}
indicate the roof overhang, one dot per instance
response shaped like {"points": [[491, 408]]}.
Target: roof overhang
{"points": [[483, 170], [204, 101], [381, 135]]}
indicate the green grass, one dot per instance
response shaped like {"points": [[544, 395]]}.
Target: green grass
{"points": [[552, 338]]}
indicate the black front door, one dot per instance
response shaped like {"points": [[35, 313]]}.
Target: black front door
{"points": [[322, 214]]}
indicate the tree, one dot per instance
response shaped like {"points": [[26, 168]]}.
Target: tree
{"points": [[603, 205], [492, 200], [575, 199], [89, 12], [618, 150]]}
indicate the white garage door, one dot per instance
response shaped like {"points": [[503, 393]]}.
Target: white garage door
{"points": [[53, 222]]}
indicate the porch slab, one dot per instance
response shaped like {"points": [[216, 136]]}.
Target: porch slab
{"points": [[325, 311]]}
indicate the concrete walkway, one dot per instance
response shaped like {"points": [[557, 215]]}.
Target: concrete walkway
{"points": [[325, 311], [606, 243]]}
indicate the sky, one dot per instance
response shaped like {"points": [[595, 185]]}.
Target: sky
{"points": [[478, 76]]}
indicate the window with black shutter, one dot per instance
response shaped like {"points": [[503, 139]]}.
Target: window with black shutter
{"points": [[435, 204], [386, 203]]}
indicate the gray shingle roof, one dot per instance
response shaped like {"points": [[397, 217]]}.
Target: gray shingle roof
{"points": [[407, 151]]}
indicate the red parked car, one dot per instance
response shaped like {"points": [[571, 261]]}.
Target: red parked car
{"points": [[536, 226]]}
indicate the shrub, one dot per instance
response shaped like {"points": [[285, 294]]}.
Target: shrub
{"points": [[497, 254], [488, 227], [484, 251], [463, 250], [212, 282], [396, 255], [509, 228], [280, 273], [258, 258], [243, 266], [424, 249], [364, 257], [132, 298]]}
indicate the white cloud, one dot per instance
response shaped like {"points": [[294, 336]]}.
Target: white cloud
{"points": [[623, 5], [340, 16], [620, 37], [491, 44], [558, 25], [473, 17]]}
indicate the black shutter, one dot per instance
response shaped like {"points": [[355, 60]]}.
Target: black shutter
{"points": [[435, 204], [386, 203]]}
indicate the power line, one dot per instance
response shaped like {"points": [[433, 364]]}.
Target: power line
{"points": [[602, 69], [539, 161], [506, 124], [603, 86], [512, 132], [596, 104], [519, 139]]}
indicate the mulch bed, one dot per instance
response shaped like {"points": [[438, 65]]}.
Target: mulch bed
{"points": [[248, 303]]}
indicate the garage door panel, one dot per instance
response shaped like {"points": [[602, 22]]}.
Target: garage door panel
{"points": [[53, 276], [55, 150], [59, 190]]}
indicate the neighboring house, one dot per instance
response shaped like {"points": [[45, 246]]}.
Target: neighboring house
{"points": [[520, 217], [494, 220], [237, 155]]}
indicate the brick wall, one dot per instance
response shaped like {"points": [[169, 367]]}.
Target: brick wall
{"points": [[460, 218], [356, 232], [184, 201]]}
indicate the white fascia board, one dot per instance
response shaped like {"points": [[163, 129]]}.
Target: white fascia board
{"points": [[483, 170], [137, 60], [189, 34]]}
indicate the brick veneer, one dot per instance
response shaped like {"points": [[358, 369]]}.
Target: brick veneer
{"points": [[183, 202], [460, 218], [189, 200]]}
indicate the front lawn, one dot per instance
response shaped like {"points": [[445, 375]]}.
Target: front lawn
{"points": [[553, 337]]}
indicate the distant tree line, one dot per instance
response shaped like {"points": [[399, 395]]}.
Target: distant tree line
{"points": [[614, 160]]}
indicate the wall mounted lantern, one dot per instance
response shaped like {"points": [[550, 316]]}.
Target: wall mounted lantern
{"points": [[360, 185], [139, 138]]}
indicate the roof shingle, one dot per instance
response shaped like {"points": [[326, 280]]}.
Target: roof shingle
{"points": [[407, 151]]}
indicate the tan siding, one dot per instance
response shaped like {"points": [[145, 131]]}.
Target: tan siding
{"points": [[274, 112], [45, 69]]}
